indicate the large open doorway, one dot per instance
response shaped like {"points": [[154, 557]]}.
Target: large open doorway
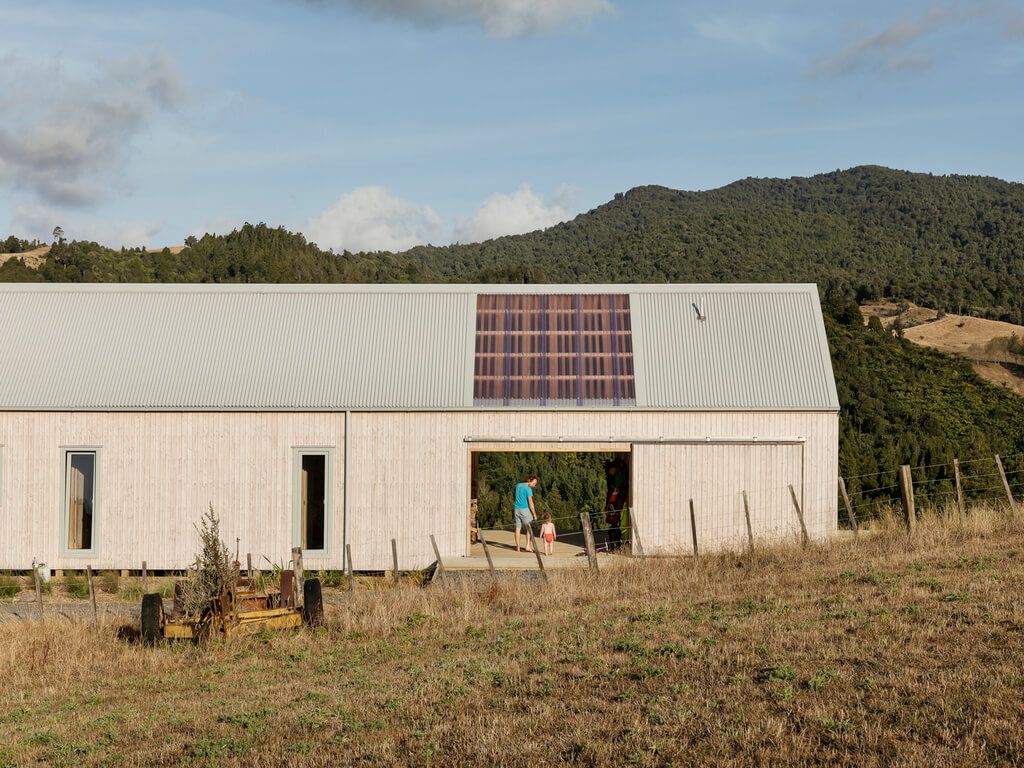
{"points": [[569, 482]]}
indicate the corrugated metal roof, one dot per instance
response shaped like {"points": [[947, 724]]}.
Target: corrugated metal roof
{"points": [[335, 347], [749, 348]]}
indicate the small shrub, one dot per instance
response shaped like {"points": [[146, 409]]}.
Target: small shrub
{"points": [[332, 579], [836, 726], [131, 592], [823, 678], [9, 585], [657, 616], [110, 582], [203, 581], [780, 673], [955, 596], [76, 585], [631, 646]]}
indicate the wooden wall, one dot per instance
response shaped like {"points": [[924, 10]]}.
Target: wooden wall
{"points": [[409, 477]]}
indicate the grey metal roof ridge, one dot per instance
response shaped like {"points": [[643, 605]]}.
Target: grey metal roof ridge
{"points": [[410, 288], [417, 409]]}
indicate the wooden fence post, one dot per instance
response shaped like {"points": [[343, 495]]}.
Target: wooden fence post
{"points": [[636, 546], [440, 566], [1006, 487], [248, 563], [907, 496], [394, 557], [540, 564], [487, 551], [236, 568], [348, 564], [746, 516], [693, 529], [145, 580], [849, 508], [92, 594], [588, 538], [299, 577], [959, 492], [800, 516], [39, 592]]}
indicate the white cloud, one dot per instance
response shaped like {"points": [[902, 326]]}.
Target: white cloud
{"points": [[369, 219], [899, 47], [498, 18], [514, 214], [62, 135], [763, 33], [38, 221]]}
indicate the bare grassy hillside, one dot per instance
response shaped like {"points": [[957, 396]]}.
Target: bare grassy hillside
{"points": [[32, 258], [983, 342]]}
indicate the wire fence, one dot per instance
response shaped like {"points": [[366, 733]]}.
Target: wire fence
{"points": [[734, 518], [725, 517]]}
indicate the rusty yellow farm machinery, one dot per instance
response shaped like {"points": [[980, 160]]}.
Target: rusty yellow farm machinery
{"points": [[238, 609]]}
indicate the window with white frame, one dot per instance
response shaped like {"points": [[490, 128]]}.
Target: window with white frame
{"points": [[79, 500], [312, 500]]}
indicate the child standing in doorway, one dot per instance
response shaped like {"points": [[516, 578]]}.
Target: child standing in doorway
{"points": [[547, 532]]}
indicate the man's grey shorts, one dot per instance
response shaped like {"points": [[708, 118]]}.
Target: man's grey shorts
{"points": [[523, 517]]}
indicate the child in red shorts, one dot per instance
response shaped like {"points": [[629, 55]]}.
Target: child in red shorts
{"points": [[547, 532]]}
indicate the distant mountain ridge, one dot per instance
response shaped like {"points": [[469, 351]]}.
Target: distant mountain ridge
{"points": [[870, 232]]}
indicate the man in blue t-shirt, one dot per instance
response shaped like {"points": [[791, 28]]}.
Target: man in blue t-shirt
{"points": [[523, 508]]}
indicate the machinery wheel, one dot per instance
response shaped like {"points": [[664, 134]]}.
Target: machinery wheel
{"points": [[152, 618], [312, 603]]}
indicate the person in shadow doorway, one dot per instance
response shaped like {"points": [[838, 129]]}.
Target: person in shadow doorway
{"points": [[617, 479]]}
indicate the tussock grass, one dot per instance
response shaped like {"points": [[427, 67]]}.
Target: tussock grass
{"points": [[884, 651], [10, 585]]}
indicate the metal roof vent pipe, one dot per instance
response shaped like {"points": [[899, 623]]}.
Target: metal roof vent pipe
{"points": [[700, 315]]}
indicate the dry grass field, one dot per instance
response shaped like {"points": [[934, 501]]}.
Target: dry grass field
{"points": [[884, 651]]}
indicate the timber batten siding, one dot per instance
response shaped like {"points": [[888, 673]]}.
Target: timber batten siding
{"points": [[178, 426], [409, 473]]}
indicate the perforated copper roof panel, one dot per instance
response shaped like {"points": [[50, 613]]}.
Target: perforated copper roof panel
{"points": [[553, 350]]}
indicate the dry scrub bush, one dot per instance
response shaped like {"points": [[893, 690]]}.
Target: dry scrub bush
{"points": [[204, 578]]}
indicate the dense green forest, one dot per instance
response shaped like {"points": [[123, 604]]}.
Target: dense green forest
{"points": [[952, 242], [255, 253]]}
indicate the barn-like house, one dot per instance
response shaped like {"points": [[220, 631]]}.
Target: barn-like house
{"points": [[326, 416]]}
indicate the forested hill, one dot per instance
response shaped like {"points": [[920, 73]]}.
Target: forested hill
{"points": [[943, 242]]}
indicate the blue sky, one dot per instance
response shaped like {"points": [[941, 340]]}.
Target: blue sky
{"points": [[380, 124]]}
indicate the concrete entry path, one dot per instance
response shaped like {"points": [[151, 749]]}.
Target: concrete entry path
{"points": [[569, 552]]}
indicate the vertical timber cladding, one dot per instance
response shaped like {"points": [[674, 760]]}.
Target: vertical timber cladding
{"points": [[666, 477], [553, 350]]}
